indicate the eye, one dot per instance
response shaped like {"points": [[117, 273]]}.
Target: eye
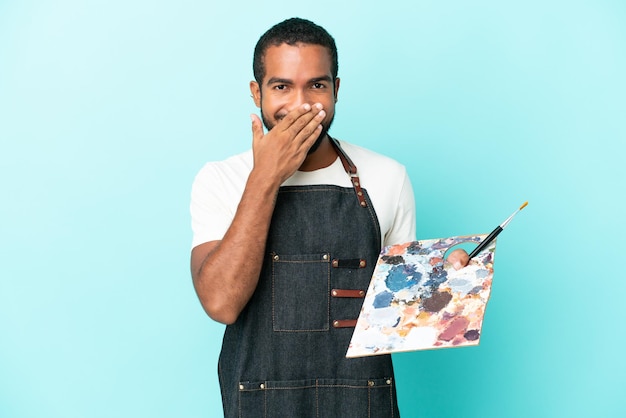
{"points": [[280, 87], [318, 85]]}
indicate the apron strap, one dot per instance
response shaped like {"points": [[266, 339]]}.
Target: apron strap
{"points": [[350, 168]]}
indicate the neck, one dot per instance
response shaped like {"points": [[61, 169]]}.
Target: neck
{"points": [[323, 156]]}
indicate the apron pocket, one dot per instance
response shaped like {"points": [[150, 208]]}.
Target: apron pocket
{"points": [[300, 292], [345, 398]]}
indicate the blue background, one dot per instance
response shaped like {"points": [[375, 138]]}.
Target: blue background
{"points": [[109, 108]]}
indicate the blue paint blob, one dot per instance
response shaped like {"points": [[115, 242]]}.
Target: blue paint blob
{"points": [[413, 248], [383, 300], [402, 277], [475, 290], [482, 273], [437, 277]]}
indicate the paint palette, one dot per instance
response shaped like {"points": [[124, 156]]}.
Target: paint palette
{"points": [[418, 301]]}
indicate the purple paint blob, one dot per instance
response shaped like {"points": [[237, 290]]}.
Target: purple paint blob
{"points": [[437, 301], [472, 335]]}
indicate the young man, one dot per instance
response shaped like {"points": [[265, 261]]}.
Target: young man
{"points": [[286, 237]]}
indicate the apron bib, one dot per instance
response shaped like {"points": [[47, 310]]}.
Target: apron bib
{"points": [[285, 355]]}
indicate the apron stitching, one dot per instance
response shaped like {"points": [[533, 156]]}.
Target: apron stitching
{"points": [[273, 290], [391, 398], [317, 400], [369, 401], [265, 401], [327, 303]]}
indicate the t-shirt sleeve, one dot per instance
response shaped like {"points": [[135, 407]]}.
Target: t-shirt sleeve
{"points": [[403, 228], [212, 209]]}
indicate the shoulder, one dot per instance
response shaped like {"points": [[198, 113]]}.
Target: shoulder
{"points": [[233, 167], [226, 175], [369, 162], [389, 187]]}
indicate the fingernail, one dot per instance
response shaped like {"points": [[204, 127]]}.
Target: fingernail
{"points": [[307, 107], [318, 106], [322, 113], [457, 265]]}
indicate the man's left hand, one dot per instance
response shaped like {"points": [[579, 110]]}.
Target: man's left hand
{"points": [[458, 258]]}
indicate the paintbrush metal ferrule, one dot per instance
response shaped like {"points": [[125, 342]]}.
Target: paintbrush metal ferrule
{"points": [[507, 220]]}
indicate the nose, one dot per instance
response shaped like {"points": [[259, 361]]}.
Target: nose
{"points": [[299, 98]]}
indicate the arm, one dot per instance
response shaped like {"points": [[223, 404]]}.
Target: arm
{"points": [[225, 272]]}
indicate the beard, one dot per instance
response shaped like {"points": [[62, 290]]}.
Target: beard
{"points": [[325, 127]]}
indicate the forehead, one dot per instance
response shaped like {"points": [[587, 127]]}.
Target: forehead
{"points": [[286, 61]]}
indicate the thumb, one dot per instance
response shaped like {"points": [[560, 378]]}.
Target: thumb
{"points": [[257, 128]]}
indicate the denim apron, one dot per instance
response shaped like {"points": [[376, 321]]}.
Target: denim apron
{"points": [[285, 354]]}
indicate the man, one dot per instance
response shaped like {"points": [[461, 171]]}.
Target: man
{"points": [[286, 238]]}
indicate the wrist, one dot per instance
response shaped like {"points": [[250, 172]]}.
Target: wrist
{"points": [[263, 183]]}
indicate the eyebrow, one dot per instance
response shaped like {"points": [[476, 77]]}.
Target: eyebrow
{"points": [[318, 79], [276, 80]]}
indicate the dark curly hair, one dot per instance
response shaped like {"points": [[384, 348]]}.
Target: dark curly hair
{"points": [[291, 32]]}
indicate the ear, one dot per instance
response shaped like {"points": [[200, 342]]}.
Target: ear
{"points": [[337, 81], [255, 90]]}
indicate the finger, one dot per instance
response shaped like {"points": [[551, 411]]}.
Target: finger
{"points": [[310, 140], [296, 120], [307, 135], [292, 116], [257, 128]]}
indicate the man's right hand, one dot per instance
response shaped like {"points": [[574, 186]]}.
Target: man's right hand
{"points": [[224, 276], [280, 152]]}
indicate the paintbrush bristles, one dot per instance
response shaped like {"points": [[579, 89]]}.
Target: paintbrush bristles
{"points": [[524, 205]]}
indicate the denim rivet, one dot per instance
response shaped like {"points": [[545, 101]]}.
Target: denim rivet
{"points": [[370, 383], [240, 387], [388, 381], [325, 257], [262, 386], [276, 257], [363, 204]]}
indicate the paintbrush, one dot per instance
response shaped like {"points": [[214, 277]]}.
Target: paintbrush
{"points": [[483, 244]]}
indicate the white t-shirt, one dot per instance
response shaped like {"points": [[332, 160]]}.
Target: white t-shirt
{"points": [[218, 187]]}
